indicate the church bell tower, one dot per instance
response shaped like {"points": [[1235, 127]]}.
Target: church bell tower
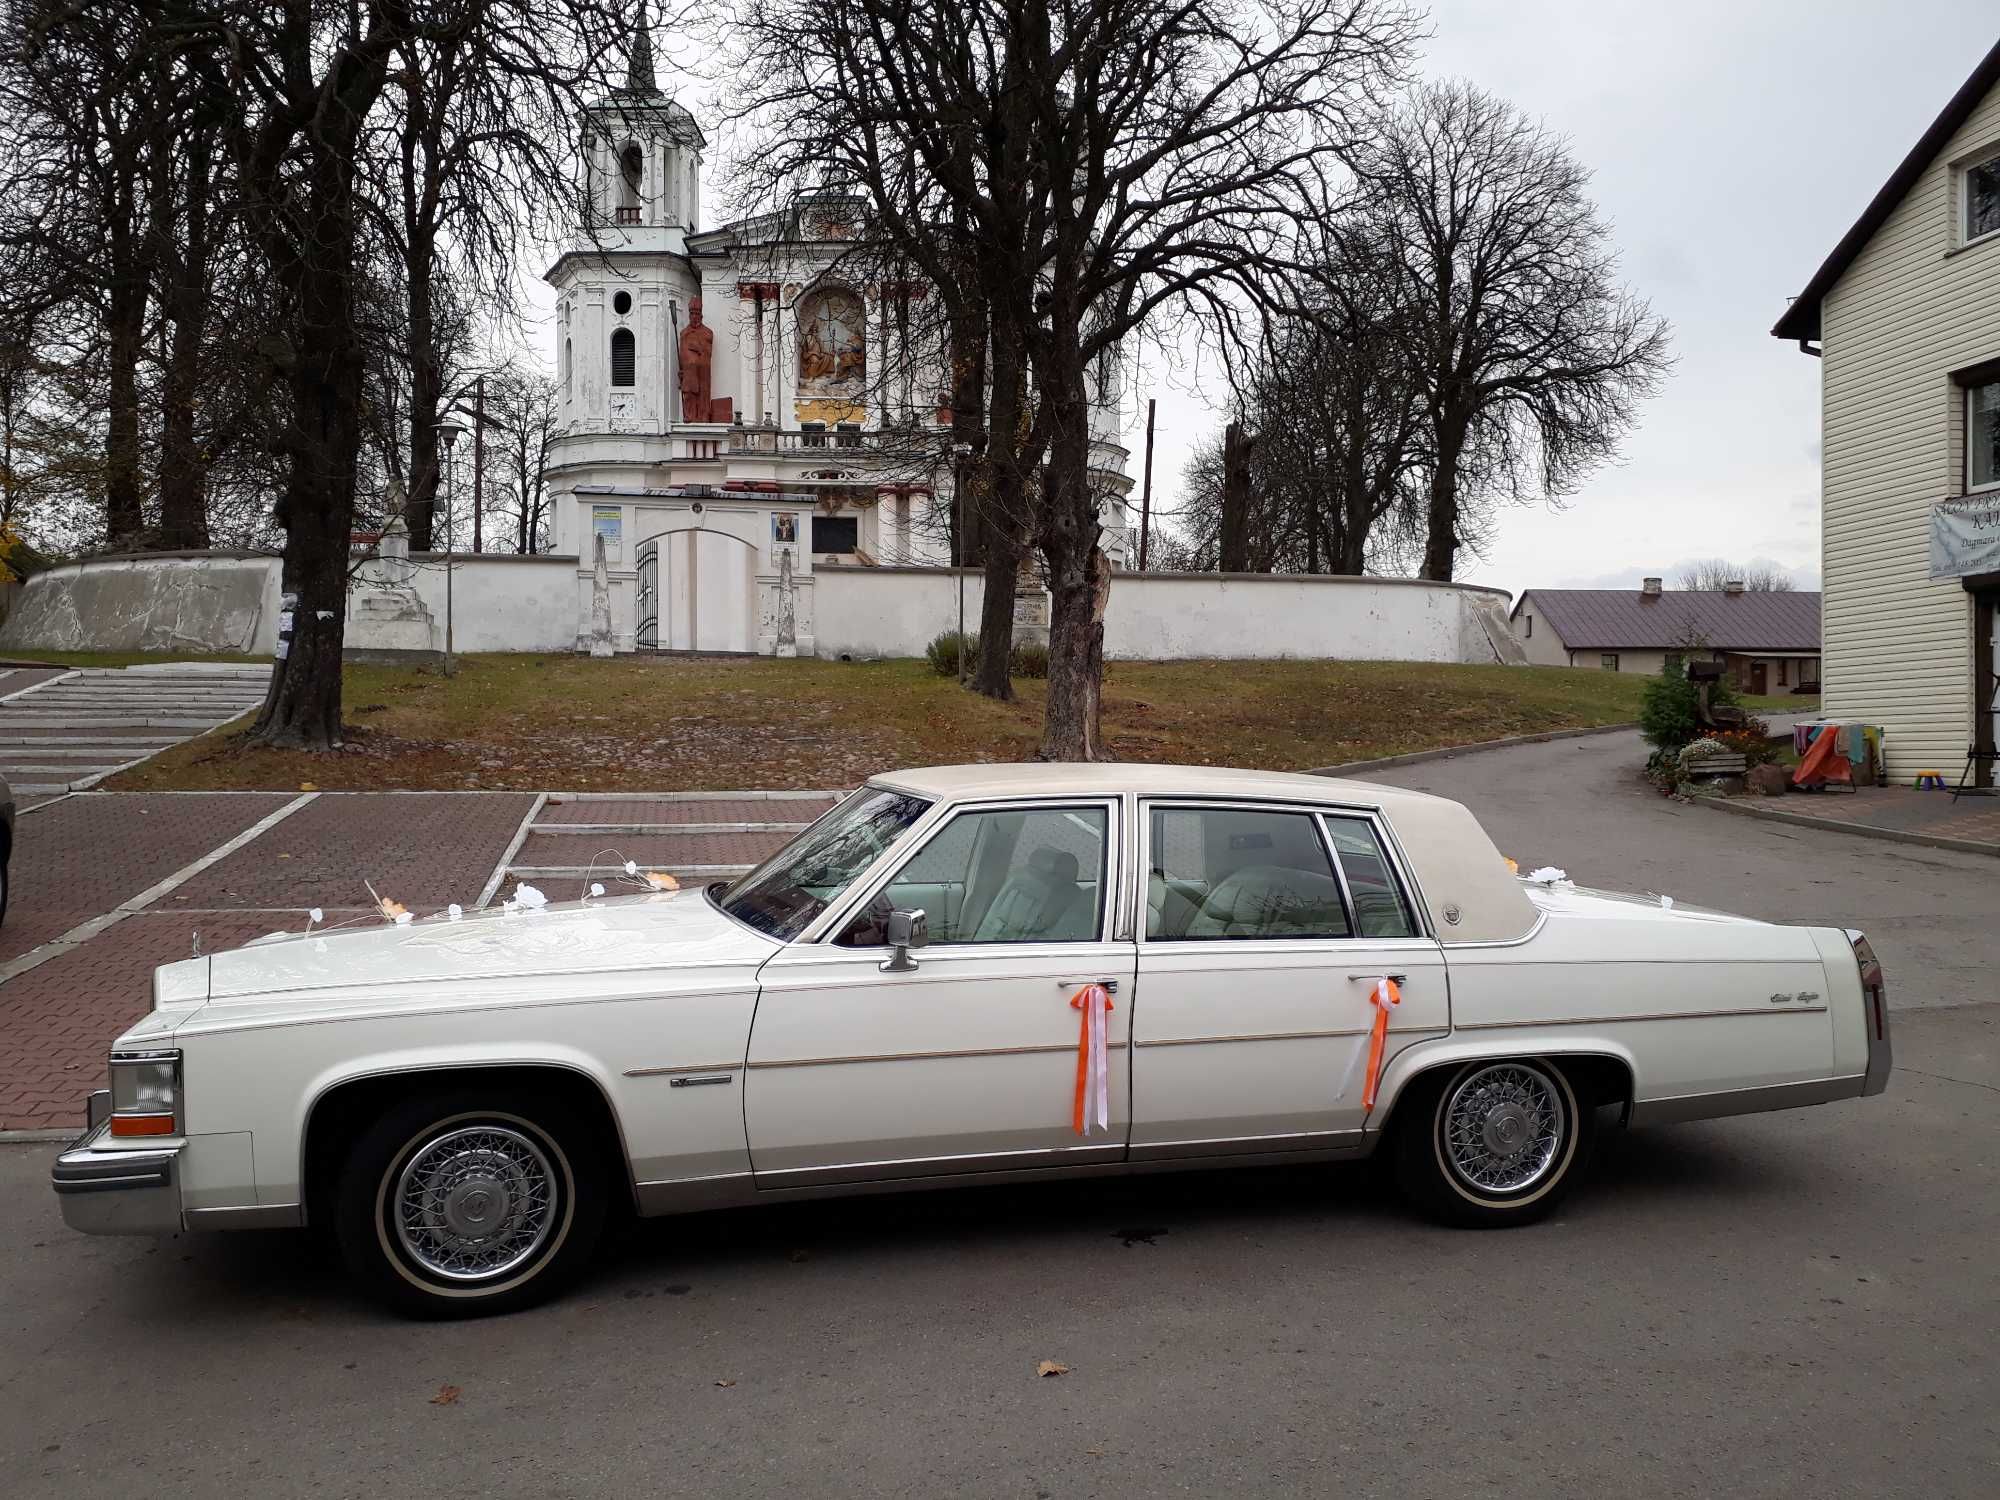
{"points": [[624, 286]]}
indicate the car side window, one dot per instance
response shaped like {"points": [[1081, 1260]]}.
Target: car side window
{"points": [[1240, 873], [1034, 875], [1381, 910]]}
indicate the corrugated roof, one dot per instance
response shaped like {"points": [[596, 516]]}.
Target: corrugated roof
{"points": [[1801, 319], [1626, 619]]}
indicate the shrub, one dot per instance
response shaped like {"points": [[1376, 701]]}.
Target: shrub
{"points": [[945, 649], [1029, 659], [1669, 710]]}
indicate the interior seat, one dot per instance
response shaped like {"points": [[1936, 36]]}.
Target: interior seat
{"points": [[1169, 907], [1271, 901], [1041, 902]]}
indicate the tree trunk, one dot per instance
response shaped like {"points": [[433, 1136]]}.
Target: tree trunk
{"points": [[1079, 584], [1233, 543], [426, 395], [183, 470], [125, 327], [1441, 520], [1002, 506], [323, 371], [968, 427]]}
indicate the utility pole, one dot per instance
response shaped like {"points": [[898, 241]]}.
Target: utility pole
{"points": [[478, 461], [1146, 492]]}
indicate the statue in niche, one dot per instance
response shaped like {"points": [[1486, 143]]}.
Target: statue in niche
{"points": [[697, 357]]}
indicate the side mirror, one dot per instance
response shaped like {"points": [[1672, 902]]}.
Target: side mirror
{"points": [[907, 930]]}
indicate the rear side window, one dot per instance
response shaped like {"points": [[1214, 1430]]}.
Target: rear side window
{"points": [[1219, 874], [1381, 910]]}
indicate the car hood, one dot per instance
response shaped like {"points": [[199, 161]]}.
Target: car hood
{"points": [[1581, 901], [665, 930]]}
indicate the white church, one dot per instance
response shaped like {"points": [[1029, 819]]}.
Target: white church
{"points": [[741, 407]]}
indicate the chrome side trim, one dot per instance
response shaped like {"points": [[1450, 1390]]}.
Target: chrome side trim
{"points": [[1037, 1158], [1268, 1036], [1663, 1015], [1541, 921], [1251, 1145], [665, 1070], [1748, 1101], [258, 1216], [881, 1057]]}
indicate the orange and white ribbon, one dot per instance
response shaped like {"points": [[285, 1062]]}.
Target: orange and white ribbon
{"points": [[1093, 1074], [1386, 995]]}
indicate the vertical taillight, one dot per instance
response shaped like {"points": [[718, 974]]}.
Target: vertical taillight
{"points": [[1874, 991]]}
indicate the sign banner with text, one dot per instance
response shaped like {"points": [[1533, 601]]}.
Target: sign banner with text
{"points": [[1965, 536]]}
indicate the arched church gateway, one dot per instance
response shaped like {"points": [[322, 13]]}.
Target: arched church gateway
{"points": [[742, 407]]}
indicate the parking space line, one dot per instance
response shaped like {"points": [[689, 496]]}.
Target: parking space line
{"points": [[513, 848], [83, 932]]}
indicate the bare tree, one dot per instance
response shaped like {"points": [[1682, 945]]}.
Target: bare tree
{"points": [[1713, 575], [1105, 170], [1534, 359]]}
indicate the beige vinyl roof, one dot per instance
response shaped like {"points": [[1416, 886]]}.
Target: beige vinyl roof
{"points": [[1455, 863]]}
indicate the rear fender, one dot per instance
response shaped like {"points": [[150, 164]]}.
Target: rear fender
{"points": [[1490, 1046]]}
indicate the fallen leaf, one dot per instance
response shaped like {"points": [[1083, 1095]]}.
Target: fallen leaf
{"points": [[447, 1396], [725, 1383], [1049, 1367], [307, 786], [660, 882], [392, 908]]}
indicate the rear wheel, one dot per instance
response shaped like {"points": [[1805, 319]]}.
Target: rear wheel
{"points": [[1492, 1144], [450, 1206]]}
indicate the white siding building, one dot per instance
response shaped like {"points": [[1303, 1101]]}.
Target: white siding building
{"points": [[1905, 315]]}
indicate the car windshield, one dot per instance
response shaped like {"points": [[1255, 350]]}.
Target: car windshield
{"points": [[783, 895]]}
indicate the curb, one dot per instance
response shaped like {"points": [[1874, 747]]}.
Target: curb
{"points": [[1417, 757], [38, 1137], [1860, 830]]}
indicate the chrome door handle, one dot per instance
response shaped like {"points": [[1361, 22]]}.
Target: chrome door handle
{"points": [[1077, 984], [1398, 978]]}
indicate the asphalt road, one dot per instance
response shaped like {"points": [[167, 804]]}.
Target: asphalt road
{"points": [[1793, 1304]]}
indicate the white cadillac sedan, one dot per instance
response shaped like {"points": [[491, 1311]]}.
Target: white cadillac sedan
{"points": [[968, 974]]}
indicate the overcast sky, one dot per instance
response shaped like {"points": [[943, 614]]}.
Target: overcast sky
{"points": [[1732, 143]]}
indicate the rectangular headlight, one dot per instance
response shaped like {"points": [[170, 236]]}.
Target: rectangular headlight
{"points": [[145, 1093]]}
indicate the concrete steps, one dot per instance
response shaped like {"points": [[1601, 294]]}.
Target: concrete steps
{"points": [[66, 733]]}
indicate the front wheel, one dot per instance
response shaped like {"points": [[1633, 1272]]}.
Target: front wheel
{"points": [[453, 1207], [1491, 1144]]}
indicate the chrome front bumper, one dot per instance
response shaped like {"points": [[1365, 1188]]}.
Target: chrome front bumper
{"points": [[133, 1191]]}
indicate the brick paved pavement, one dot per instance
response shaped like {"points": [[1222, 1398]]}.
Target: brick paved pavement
{"points": [[427, 849], [80, 858], [1896, 809]]}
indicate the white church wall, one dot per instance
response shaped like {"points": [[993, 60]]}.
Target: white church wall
{"points": [[869, 612], [500, 601], [895, 612]]}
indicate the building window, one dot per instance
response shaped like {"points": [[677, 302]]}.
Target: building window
{"points": [[621, 303], [623, 357], [631, 178], [565, 369], [836, 534], [1981, 187], [1608, 661], [1982, 436], [1781, 671], [1528, 626]]}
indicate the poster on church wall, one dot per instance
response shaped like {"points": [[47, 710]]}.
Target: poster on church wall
{"points": [[608, 521]]}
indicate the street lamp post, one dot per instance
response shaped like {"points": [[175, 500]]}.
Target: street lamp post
{"points": [[448, 432]]}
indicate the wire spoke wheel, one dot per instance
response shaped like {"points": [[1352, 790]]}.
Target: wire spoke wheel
{"points": [[474, 1203], [1502, 1128]]}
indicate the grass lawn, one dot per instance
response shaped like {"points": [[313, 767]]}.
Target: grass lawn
{"points": [[567, 722]]}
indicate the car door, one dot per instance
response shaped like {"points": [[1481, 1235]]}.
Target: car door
{"points": [[967, 1062], [1263, 930]]}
